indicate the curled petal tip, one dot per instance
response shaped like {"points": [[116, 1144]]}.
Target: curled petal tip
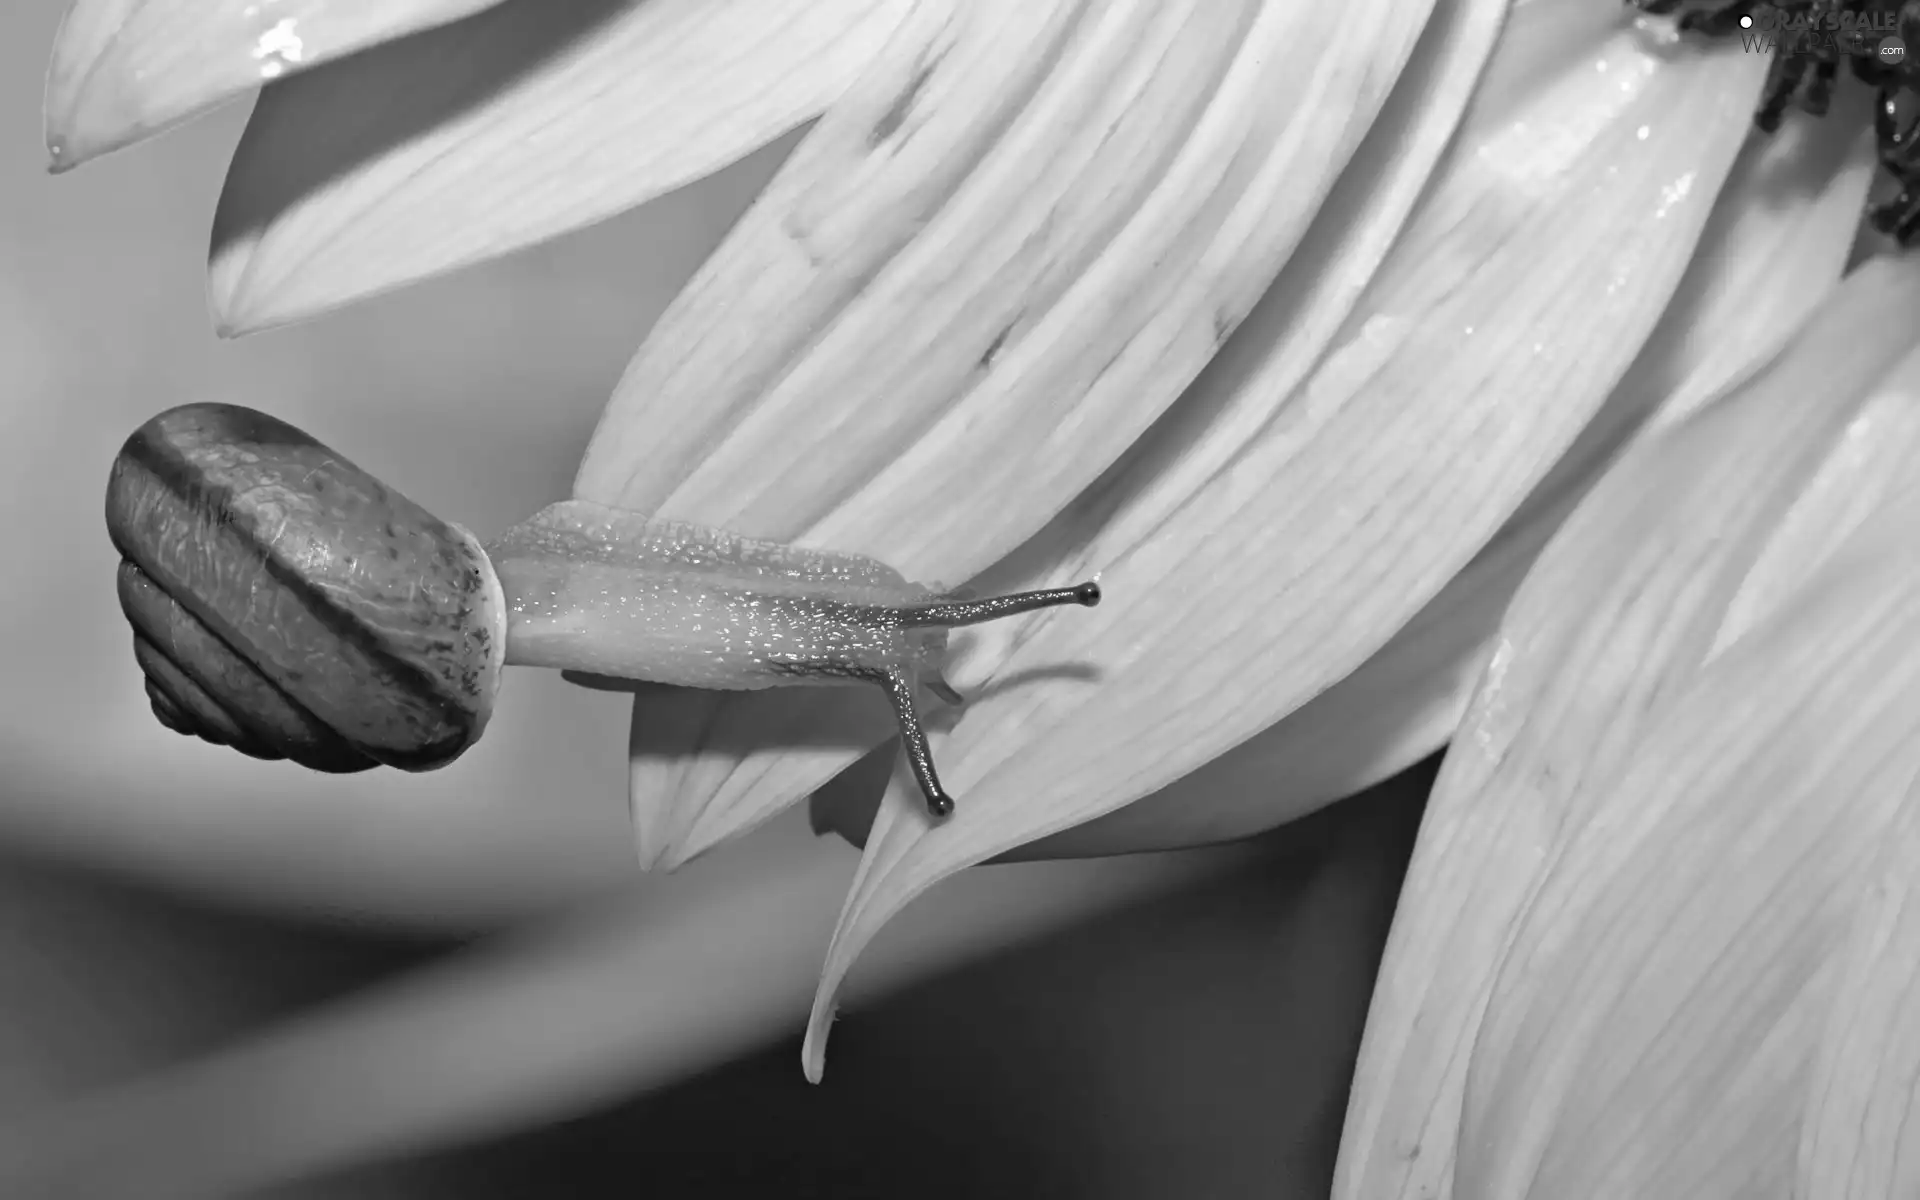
{"points": [[813, 1051], [59, 160]]}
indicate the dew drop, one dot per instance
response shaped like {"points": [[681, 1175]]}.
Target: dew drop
{"points": [[1673, 194], [1657, 31], [278, 48]]}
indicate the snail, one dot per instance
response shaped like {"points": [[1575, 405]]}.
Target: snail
{"points": [[286, 603]]}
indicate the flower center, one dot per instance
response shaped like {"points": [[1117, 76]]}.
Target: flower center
{"points": [[1810, 40]]}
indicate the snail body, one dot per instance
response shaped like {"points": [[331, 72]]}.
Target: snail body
{"points": [[288, 604], [604, 591]]}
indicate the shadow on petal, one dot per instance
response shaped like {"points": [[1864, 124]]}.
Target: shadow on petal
{"points": [[471, 140], [124, 70]]}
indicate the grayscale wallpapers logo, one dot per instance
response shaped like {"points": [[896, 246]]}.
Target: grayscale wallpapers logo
{"points": [[1874, 35]]}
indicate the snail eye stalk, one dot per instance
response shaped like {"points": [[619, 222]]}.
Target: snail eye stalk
{"points": [[953, 614], [1810, 41]]}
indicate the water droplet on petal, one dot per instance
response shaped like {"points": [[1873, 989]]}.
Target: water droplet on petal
{"points": [[279, 48], [1673, 194], [1657, 31]]}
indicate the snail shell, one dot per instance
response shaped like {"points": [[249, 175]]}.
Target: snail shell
{"points": [[290, 605]]}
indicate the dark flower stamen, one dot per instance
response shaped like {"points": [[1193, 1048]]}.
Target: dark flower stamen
{"points": [[1811, 40]]}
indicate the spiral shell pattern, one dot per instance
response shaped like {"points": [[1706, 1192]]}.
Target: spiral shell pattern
{"points": [[288, 604]]}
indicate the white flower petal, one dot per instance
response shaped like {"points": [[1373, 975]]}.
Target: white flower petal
{"points": [[1622, 607], [1869, 468], [1397, 708], [1861, 1136], [706, 767], [992, 334], [1370, 489], [1773, 248], [875, 169], [1281, 339], [126, 69], [1652, 1024], [884, 162], [517, 125], [1044, 311]]}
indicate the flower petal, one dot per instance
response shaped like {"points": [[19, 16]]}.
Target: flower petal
{"points": [[525, 122], [1282, 337], [1369, 490], [1620, 609], [706, 767], [1861, 1137], [1773, 248], [942, 371], [1868, 469], [127, 69], [1068, 288], [883, 163], [1652, 1024], [875, 169]]}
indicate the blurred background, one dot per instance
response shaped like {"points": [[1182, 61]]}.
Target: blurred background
{"points": [[1175, 1025]]}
